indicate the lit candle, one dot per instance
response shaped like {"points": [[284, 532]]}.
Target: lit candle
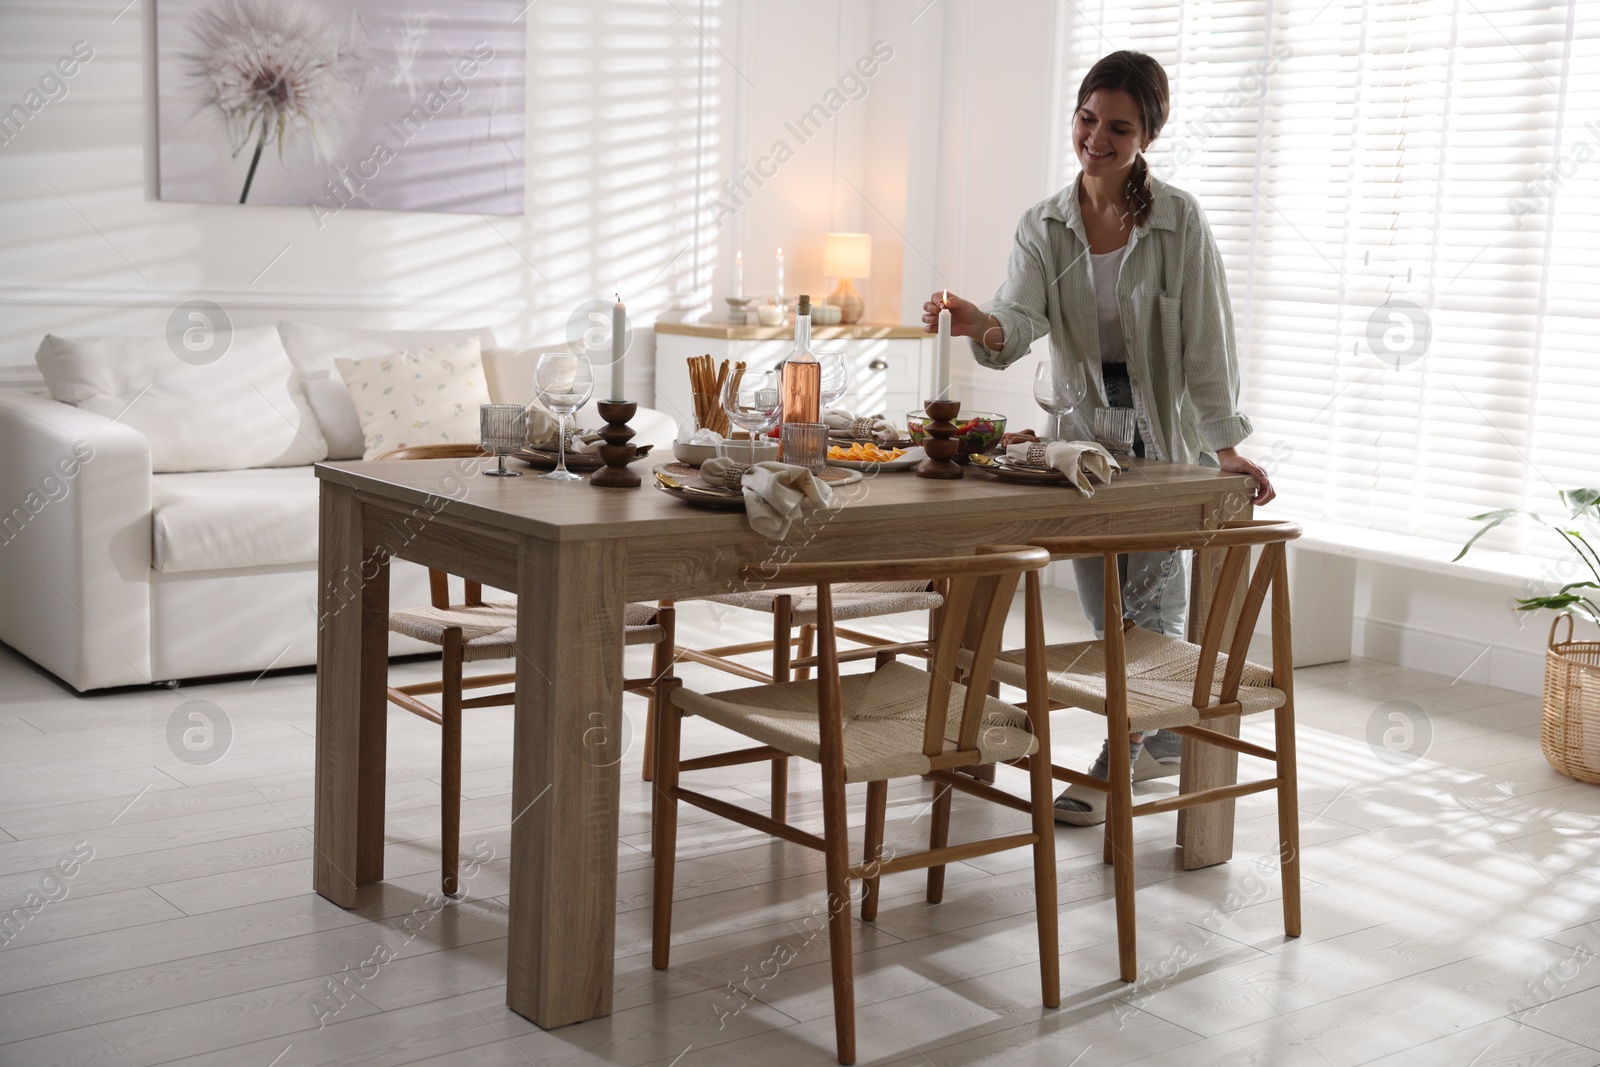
{"points": [[619, 331], [941, 355], [738, 275], [780, 300]]}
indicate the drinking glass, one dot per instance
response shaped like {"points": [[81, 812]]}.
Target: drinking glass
{"points": [[835, 375], [1115, 427], [753, 401], [1059, 390], [502, 429], [564, 382]]}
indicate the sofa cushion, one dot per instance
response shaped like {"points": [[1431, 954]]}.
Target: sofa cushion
{"points": [[420, 396], [222, 520], [313, 350], [243, 410]]}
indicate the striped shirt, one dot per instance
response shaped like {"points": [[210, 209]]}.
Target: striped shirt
{"points": [[1177, 323]]}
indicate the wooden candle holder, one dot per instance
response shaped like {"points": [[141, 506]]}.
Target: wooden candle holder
{"points": [[939, 441], [616, 453]]}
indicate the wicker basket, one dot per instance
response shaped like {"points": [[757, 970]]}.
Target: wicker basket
{"points": [[1569, 731]]}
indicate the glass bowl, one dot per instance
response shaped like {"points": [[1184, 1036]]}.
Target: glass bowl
{"points": [[977, 431]]}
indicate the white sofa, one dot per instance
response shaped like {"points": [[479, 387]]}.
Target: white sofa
{"points": [[113, 574]]}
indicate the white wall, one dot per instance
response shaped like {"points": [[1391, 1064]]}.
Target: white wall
{"points": [[623, 170]]}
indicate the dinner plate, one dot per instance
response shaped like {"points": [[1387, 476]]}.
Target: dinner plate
{"points": [[541, 460], [1012, 472], [912, 457], [704, 496]]}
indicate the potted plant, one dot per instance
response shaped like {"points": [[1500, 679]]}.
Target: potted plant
{"points": [[1569, 731]]}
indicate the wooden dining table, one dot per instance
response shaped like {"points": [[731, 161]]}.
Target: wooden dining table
{"points": [[575, 555]]}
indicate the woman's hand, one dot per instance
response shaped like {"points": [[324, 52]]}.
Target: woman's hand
{"points": [[966, 319], [1230, 460], [1021, 437]]}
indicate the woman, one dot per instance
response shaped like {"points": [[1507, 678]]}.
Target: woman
{"points": [[1121, 271]]}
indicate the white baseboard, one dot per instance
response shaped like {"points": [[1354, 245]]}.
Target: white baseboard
{"points": [[1517, 669]]}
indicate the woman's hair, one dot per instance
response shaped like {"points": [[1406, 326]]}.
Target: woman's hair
{"points": [[1142, 78]]}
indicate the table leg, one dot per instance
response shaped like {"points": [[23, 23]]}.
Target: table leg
{"points": [[565, 780], [1206, 832], [352, 710]]}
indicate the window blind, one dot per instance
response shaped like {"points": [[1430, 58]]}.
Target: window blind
{"points": [[1404, 194]]}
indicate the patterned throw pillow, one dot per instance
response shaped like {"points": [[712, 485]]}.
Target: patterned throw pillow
{"points": [[422, 396]]}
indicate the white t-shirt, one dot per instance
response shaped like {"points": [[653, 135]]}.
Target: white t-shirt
{"points": [[1105, 266]]}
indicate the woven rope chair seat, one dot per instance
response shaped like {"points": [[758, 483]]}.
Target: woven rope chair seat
{"points": [[1161, 672], [884, 713], [489, 631], [851, 600]]}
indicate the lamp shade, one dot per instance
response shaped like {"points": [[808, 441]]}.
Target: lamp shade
{"points": [[847, 255]]}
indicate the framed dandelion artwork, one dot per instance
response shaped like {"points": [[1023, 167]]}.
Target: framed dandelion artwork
{"points": [[328, 105]]}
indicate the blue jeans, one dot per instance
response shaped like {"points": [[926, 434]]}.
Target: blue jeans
{"points": [[1155, 585]]}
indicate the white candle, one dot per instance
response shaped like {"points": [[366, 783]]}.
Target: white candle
{"points": [[780, 299], [619, 331], [941, 355], [738, 275]]}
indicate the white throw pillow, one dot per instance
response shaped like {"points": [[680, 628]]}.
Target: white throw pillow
{"points": [[244, 410], [313, 349], [422, 396]]}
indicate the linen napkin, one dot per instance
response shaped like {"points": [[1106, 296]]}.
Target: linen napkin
{"points": [[544, 433], [842, 423], [774, 493], [1085, 463]]}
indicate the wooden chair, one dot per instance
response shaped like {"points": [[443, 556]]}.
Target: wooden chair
{"points": [[477, 630], [903, 721], [1142, 681], [794, 627]]}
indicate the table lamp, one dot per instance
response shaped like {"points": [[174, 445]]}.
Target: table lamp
{"points": [[847, 256]]}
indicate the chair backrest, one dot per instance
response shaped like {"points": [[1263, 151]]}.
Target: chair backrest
{"points": [[978, 594], [439, 581], [1223, 623]]}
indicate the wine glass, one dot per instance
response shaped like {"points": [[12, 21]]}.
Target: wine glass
{"points": [[502, 429], [754, 401], [564, 382], [1059, 390], [835, 375]]}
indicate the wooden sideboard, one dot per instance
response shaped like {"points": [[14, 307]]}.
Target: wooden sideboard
{"points": [[889, 364]]}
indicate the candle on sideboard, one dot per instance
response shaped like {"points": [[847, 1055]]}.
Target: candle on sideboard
{"points": [[779, 294], [619, 330], [738, 275], [941, 355]]}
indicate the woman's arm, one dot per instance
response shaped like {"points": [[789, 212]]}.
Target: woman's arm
{"points": [[1230, 460], [966, 320], [1003, 334], [1210, 360]]}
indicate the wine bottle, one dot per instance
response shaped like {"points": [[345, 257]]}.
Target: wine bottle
{"points": [[802, 374]]}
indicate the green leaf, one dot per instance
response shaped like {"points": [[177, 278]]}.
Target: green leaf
{"points": [[1579, 500], [1490, 520], [1553, 602], [1580, 585]]}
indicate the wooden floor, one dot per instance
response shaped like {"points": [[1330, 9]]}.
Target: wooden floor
{"points": [[1452, 903]]}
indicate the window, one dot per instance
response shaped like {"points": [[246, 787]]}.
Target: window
{"points": [[1404, 194]]}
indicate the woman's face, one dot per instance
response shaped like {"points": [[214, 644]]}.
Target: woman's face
{"points": [[1107, 133]]}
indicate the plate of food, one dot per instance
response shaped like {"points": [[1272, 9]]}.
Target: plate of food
{"points": [[870, 456]]}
